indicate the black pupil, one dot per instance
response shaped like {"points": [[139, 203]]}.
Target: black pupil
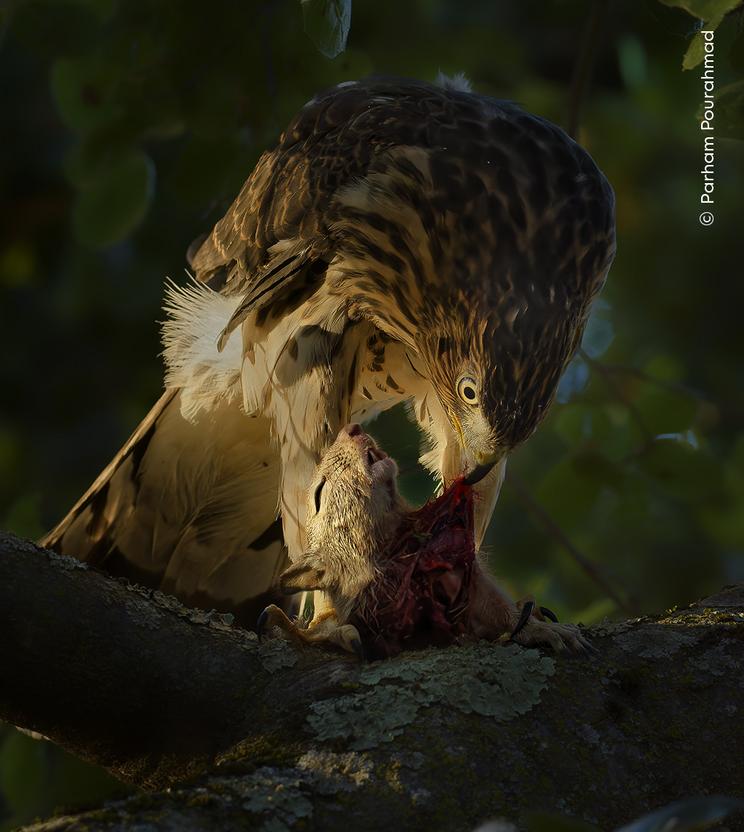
{"points": [[469, 393], [318, 492]]}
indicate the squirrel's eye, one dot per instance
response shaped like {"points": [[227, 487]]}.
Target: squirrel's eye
{"points": [[318, 492], [467, 390]]}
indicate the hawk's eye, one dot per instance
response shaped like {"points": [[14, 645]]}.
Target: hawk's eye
{"points": [[467, 390], [318, 492]]}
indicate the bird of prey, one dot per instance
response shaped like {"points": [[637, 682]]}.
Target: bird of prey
{"points": [[402, 242]]}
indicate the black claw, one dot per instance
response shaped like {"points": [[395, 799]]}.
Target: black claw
{"points": [[524, 617], [261, 623], [358, 648], [549, 614], [477, 474]]}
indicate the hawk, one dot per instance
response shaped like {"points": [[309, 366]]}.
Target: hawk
{"points": [[403, 242]]}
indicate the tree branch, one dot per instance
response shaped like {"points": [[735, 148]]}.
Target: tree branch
{"points": [[445, 738], [128, 678]]}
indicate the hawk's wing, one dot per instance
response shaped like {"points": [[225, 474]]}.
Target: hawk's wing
{"points": [[334, 140]]}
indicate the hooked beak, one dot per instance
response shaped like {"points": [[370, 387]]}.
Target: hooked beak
{"points": [[483, 467]]}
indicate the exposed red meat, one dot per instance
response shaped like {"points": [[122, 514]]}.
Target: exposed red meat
{"points": [[421, 595]]}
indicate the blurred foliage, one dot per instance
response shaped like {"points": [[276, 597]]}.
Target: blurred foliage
{"points": [[127, 130], [37, 778]]}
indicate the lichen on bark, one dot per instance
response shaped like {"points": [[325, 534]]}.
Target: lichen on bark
{"points": [[479, 678]]}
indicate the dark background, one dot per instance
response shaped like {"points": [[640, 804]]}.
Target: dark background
{"points": [[127, 128]]}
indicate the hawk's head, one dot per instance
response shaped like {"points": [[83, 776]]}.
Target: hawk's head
{"points": [[483, 250], [517, 265], [496, 373], [519, 288]]}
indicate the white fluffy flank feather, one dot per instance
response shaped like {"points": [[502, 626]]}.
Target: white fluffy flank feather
{"points": [[196, 317]]}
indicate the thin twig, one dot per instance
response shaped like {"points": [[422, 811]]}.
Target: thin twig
{"points": [[582, 71], [555, 531]]}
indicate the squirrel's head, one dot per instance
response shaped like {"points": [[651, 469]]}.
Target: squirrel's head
{"points": [[354, 487], [353, 507]]}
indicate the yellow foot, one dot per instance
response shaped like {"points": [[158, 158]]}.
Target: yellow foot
{"points": [[323, 629]]}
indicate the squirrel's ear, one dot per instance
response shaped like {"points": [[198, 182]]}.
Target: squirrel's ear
{"points": [[304, 574]]}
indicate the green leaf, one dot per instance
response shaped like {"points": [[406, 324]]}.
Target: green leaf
{"points": [[633, 61], [684, 472], [665, 411], [596, 468], [82, 91], [327, 22], [83, 164], [696, 50], [704, 9], [606, 428], [567, 493], [711, 13], [114, 204], [663, 367], [729, 109]]}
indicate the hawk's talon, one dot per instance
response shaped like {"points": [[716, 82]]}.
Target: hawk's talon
{"points": [[524, 617], [536, 626], [549, 614], [261, 623], [323, 630]]}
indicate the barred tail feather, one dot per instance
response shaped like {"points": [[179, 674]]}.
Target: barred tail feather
{"points": [[187, 506], [85, 531]]}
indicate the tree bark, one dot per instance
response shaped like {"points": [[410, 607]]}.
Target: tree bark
{"points": [[247, 735]]}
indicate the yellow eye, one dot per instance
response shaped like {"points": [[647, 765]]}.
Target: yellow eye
{"points": [[467, 390]]}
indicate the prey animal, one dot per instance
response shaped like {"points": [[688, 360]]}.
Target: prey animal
{"points": [[399, 577]]}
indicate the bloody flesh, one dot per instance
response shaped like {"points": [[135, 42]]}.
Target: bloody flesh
{"points": [[421, 593]]}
